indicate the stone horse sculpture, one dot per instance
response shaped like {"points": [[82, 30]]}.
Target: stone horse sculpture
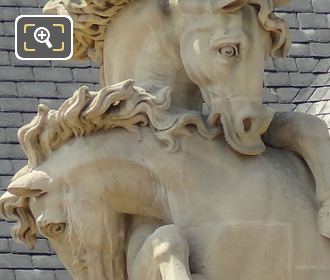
{"points": [[204, 51], [139, 201], [201, 211]]}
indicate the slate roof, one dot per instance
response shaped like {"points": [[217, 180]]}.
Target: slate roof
{"points": [[300, 82]]}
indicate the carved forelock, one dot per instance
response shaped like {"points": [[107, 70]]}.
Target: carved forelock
{"points": [[17, 209], [92, 17]]}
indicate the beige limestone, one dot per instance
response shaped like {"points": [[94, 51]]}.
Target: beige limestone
{"points": [[135, 182]]}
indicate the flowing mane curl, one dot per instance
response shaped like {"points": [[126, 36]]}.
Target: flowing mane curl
{"points": [[121, 105]]}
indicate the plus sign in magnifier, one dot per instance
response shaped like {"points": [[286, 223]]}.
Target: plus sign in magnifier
{"points": [[42, 35]]}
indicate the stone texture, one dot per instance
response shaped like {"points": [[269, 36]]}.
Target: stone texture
{"points": [[277, 79], [320, 49], [7, 43], [309, 20], [300, 50], [4, 246], [285, 65], [42, 262], [22, 83], [34, 275], [8, 89], [41, 247], [62, 275], [10, 119], [9, 14], [6, 274], [8, 28], [37, 89], [18, 105], [299, 6], [15, 261], [16, 74], [53, 74], [306, 65], [321, 6]]}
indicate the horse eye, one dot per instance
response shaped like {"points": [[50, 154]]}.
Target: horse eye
{"points": [[229, 51]]}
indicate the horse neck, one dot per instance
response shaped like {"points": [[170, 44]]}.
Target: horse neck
{"points": [[141, 44], [126, 186]]}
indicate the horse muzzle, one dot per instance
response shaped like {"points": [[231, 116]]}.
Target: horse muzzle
{"points": [[243, 124]]}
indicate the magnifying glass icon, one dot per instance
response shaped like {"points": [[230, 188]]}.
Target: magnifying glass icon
{"points": [[41, 35]]}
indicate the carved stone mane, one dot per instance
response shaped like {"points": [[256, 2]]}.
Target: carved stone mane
{"points": [[120, 105]]}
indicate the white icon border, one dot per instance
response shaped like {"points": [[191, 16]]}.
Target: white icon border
{"points": [[44, 58]]}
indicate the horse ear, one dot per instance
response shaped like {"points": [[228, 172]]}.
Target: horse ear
{"points": [[128, 84], [53, 7], [30, 185], [233, 5], [20, 173]]}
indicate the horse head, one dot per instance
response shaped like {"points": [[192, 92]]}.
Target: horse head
{"points": [[29, 201], [223, 46], [63, 212]]}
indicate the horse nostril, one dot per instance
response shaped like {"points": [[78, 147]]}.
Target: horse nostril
{"points": [[247, 124]]}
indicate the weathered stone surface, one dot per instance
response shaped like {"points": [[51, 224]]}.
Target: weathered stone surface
{"points": [[4, 58], [12, 85], [8, 28], [277, 79], [301, 79], [11, 151], [9, 14], [86, 75], [6, 168], [42, 262], [10, 119], [320, 49], [15, 261], [34, 275], [62, 275], [41, 247], [7, 43], [286, 95], [4, 246], [18, 3], [303, 35], [321, 6], [18, 105], [7, 274], [17, 74], [53, 74], [299, 6], [36, 89], [285, 65], [8, 89], [16, 62], [306, 65], [309, 20], [300, 50]]}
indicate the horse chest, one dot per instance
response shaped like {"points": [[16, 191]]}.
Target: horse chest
{"points": [[237, 189]]}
